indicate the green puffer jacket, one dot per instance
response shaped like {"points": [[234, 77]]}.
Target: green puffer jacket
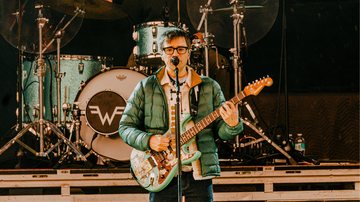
{"points": [[146, 114]]}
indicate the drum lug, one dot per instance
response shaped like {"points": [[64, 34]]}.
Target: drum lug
{"points": [[154, 47], [81, 67], [154, 31], [104, 68], [135, 36], [82, 84], [54, 110]]}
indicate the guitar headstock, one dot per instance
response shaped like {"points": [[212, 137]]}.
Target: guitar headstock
{"points": [[256, 86]]}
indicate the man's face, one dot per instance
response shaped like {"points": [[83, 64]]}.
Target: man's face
{"points": [[173, 48]]}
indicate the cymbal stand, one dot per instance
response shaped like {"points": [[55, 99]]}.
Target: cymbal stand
{"points": [[58, 35], [42, 125], [260, 132], [204, 20], [237, 16], [41, 73], [76, 112]]}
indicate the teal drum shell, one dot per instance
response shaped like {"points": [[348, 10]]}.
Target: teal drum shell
{"points": [[147, 36], [75, 70]]}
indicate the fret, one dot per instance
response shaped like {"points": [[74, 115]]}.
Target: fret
{"points": [[194, 130], [182, 138], [216, 112], [191, 131], [189, 136], [208, 120], [212, 115], [198, 126], [201, 124]]}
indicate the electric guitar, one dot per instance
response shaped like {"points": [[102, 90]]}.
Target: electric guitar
{"points": [[154, 170]]}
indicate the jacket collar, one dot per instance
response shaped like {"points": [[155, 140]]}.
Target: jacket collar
{"points": [[194, 81]]}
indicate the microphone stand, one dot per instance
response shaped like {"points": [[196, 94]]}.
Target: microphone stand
{"points": [[177, 130]]}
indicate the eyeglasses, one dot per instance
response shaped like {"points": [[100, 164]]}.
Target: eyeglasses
{"points": [[170, 50]]}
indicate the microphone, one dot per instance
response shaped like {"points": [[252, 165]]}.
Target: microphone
{"points": [[175, 61]]}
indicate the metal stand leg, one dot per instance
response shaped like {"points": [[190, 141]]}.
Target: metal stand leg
{"points": [[38, 127], [272, 143]]}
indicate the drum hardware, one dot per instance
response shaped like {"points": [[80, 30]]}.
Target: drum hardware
{"points": [[76, 114], [251, 148], [209, 38], [198, 53], [42, 128], [66, 107], [204, 20], [260, 132], [58, 74]]}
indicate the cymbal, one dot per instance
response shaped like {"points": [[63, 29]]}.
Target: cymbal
{"points": [[94, 9], [23, 32], [259, 17]]}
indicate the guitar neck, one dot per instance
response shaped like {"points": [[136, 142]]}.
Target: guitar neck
{"points": [[199, 126]]}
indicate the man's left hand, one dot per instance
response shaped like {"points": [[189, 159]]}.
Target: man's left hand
{"points": [[230, 113]]}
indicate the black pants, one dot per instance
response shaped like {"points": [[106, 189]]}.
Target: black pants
{"points": [[193, 190]]}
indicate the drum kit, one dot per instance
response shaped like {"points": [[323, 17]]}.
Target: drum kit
{"points": [[72, 104]]}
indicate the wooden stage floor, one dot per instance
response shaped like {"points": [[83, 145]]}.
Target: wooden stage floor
{"points": [[324, 182]]}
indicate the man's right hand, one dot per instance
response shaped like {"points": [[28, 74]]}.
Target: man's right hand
{"points": [[159, 142]]}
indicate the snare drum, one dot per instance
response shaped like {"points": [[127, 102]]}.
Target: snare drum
{"points": [[75, 71], [147, 37], [102, 102]]}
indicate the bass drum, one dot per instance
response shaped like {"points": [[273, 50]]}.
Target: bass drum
{"points": [[102, 102]]}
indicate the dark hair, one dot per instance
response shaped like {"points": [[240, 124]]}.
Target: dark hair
{"points": [[172, 34]]}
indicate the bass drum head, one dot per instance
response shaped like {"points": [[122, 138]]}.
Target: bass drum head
{"points": [[102, 102]]}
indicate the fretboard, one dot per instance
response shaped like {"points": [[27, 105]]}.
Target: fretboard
{"points": [[199, 126]]}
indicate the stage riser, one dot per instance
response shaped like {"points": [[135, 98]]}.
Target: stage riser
{"points": [[292, 183]]}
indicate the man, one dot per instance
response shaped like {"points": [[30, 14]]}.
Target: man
{"points": [[149, 114]]}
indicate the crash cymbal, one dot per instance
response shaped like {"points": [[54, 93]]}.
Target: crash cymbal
{"points": [[21, 30], [94, 9], [259, 17]]}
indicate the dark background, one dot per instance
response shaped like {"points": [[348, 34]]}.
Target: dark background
{"points": [[320, 60]]}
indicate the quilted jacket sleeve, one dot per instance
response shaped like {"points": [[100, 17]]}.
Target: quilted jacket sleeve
{"points": [[225, 132], [132, 121]]}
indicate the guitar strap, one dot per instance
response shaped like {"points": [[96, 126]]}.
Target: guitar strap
{"points": [[194, 100]]}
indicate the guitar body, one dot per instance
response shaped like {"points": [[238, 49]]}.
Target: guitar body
{"points": [[155, 170]]}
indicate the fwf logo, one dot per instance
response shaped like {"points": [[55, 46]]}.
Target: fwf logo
{"points": [[96, 110]]}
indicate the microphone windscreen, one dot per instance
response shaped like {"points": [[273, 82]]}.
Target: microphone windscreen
{"points": [[175, 60]]}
